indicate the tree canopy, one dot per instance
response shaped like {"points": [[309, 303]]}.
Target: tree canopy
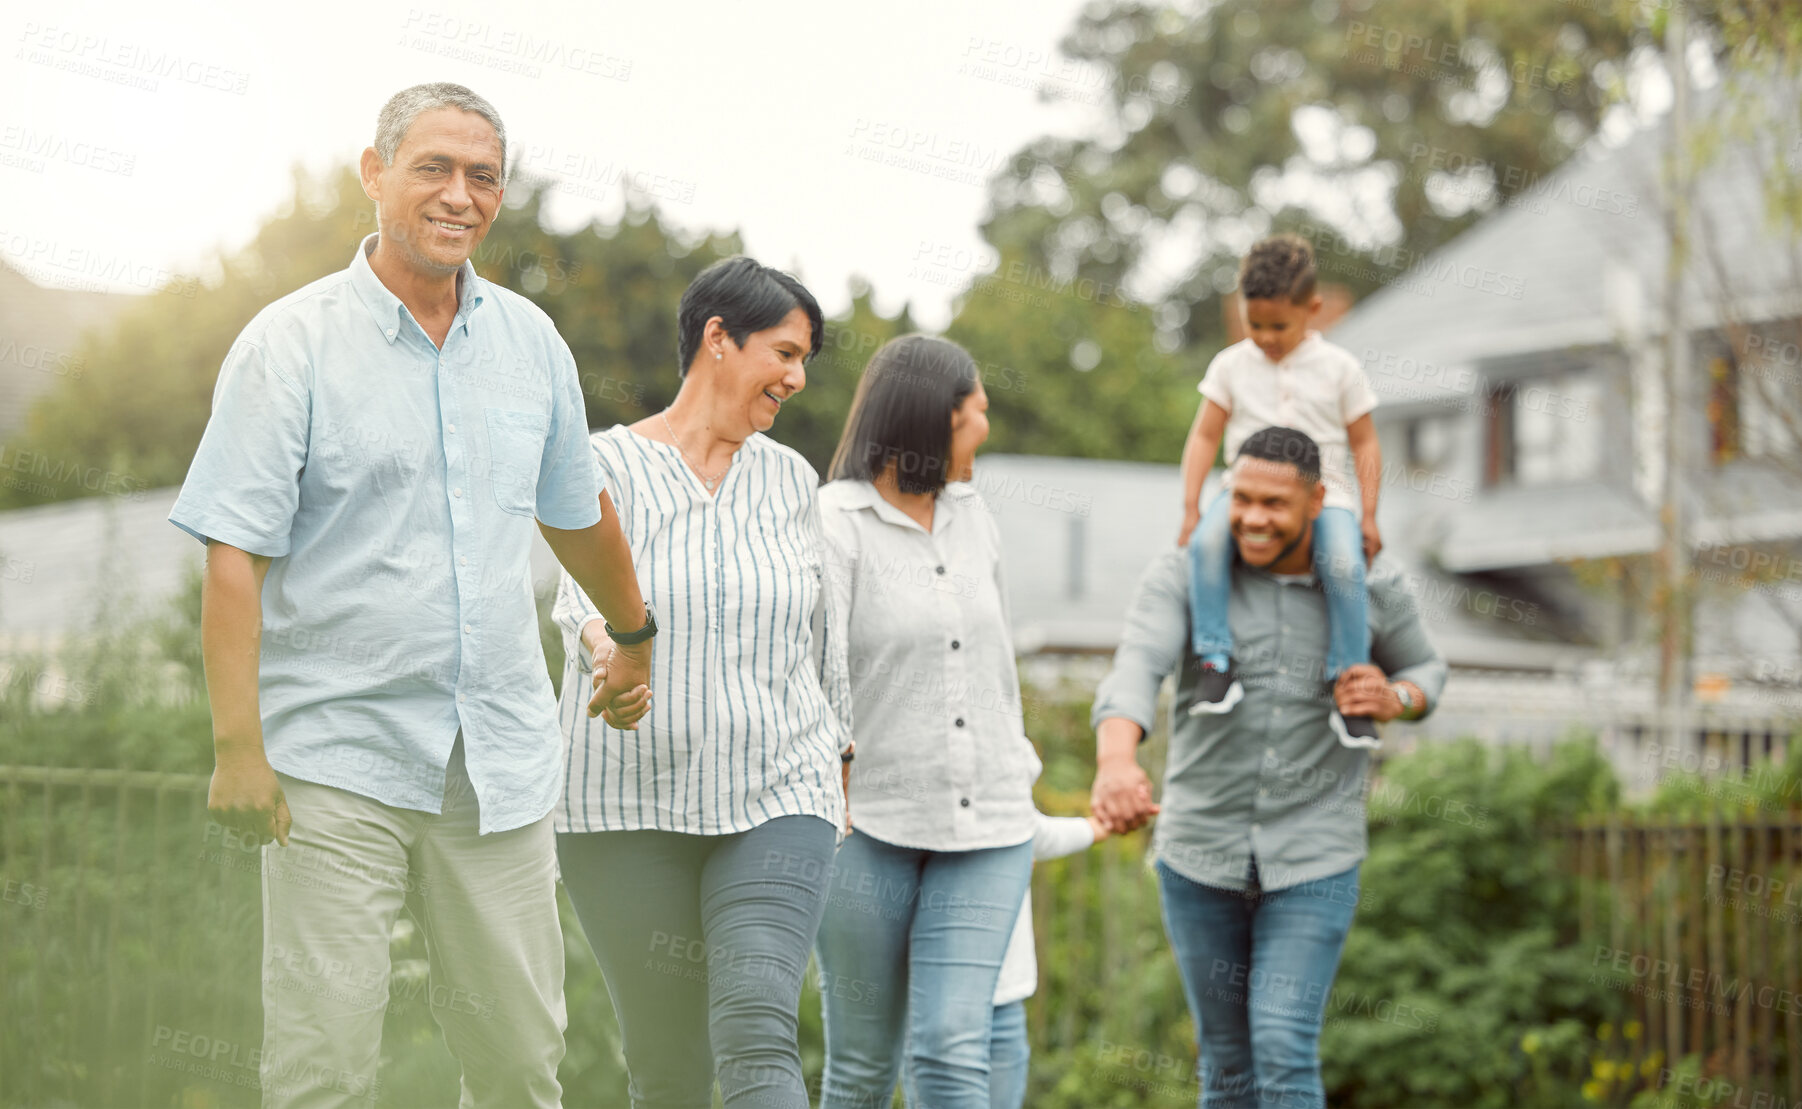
{"points": [[1381, 128]]}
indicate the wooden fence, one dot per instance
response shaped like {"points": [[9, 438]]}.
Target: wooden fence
{"points": [[1701, 924]]}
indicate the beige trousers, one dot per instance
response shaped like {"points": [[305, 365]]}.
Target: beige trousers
{"points": [[487, 907]]}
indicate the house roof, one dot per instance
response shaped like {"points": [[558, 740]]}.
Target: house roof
{"points": [[1577, 260]]}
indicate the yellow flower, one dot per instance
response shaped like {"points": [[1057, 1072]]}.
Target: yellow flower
{"points": [[1653, 1062], [1529, 1043], [1604, 1070], [1605, 1032], [1632, 1030], [1592, 1091]]}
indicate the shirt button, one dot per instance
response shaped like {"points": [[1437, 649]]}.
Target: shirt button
{"points": [[1254, 829], [452, 428], [938, 569], [955, 644], [965, 802], [460, 698], [467, 629], [390, 333], [960, 721], [457, 492], [462, 560]]}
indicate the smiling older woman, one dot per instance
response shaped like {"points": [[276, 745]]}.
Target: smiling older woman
{"points": [[696, 849]]}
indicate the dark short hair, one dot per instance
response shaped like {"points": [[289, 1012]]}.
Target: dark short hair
{"points": [[902, 413], [1278, 268], [747, 296], [1287, 445]]}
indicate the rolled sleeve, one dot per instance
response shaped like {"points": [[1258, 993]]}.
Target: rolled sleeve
{"points": [[243, 487], [568, 489], [1151, 645], [1217, 384], [1356, 398]]}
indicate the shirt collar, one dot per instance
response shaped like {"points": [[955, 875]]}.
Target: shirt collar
{"points": [[389, 313], [862, 494], [1295, 353]]}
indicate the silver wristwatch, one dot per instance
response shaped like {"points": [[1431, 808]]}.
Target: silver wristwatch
{"points": [[1405, 695]]}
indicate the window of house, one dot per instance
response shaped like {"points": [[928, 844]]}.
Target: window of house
{"points": [[1543, 430], [1724, 410], [1762, 406], [1429, 442]]}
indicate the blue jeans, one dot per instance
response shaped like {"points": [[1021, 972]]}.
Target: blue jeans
{"points": [[1257, 968], [910, 950], [1338, 562], [703, 942], [1009, 1054]]}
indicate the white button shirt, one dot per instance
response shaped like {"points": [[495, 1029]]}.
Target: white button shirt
{"points": [[749, 705], [943, 762], [1318, 388]]}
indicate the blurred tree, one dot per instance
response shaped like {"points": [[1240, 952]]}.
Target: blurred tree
{"points": [[1376, 124], [1378, 127], [612, 290], [1072, 367]]}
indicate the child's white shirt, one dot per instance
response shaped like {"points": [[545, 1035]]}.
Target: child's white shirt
{"points": [[1052, 837], [1318, 388]]}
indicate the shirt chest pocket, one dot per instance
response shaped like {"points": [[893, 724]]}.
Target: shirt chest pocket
{"points": [[515, 450]]}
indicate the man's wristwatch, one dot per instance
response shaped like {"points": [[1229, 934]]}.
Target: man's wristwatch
{"points": [[629, 639], [1405, 696]]}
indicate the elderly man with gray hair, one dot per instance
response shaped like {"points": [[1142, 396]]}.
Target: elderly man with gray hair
{"points": [[380, 445]]}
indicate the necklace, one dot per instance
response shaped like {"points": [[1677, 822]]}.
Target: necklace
{"points": [[709, 482]]}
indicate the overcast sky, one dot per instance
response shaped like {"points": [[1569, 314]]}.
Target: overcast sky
{"points": [[134, 142]]}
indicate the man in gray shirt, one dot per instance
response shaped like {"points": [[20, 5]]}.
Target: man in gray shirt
{"points": [[1262, 823]]}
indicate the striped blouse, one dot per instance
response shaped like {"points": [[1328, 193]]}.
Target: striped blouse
{"points": [[750, 701]]}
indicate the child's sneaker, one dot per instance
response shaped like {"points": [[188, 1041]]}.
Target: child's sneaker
{"points": [[1217, 689], [1355, 731]]}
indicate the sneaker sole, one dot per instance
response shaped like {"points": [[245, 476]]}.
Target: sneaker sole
{"points": [[1234, 694], [1346, 739]]}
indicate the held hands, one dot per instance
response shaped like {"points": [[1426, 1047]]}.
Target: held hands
{"points": [[1120, 799], [1363, 690], [622, 675], [244, 795]]}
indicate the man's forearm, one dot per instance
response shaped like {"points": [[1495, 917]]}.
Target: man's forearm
{"points": [[231, 633], [600, 560], [1117, 739]]}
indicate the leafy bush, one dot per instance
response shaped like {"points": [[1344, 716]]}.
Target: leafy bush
{"points": [[1469, 930], [1463, 981]]}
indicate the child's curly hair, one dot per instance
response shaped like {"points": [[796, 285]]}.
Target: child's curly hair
{"points": [[1278, 268]]}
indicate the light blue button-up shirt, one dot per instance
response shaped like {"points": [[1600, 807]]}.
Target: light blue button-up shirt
{"points": [[393, 485]]}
